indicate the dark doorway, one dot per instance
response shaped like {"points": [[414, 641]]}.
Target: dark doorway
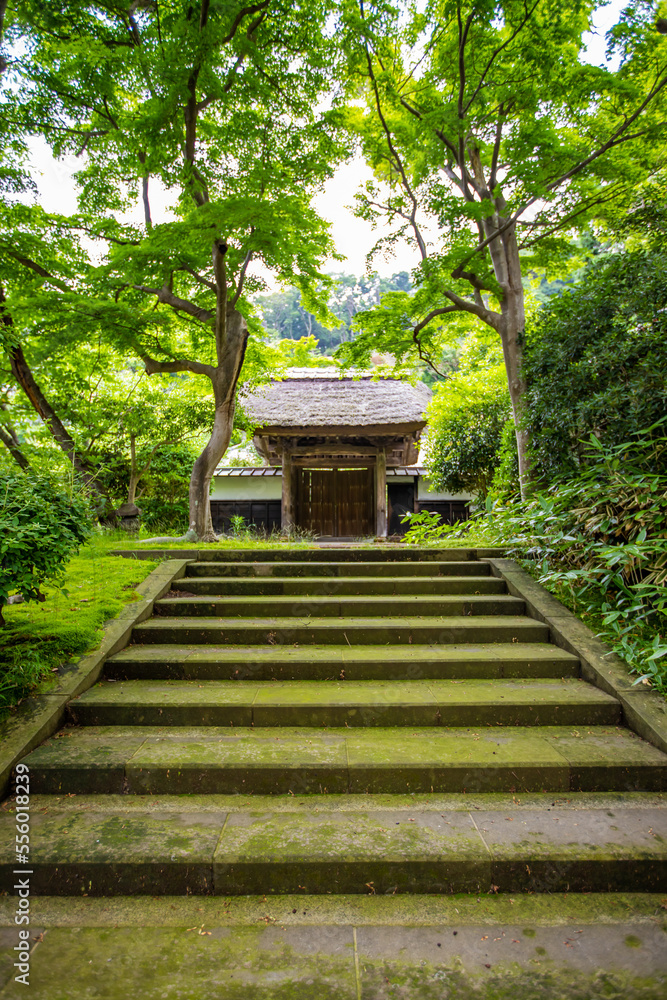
{"points": [[336, 502], [401, 500]]}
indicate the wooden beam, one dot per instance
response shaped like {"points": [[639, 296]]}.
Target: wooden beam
{"points": [[321, 462], [334, 449], [287, 502], [381, 495]]}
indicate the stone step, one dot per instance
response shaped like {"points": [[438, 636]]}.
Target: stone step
{"points": [[287, 606], [262, 568], [348, 553], [152, 760], [354, 631], [339, 586], [262, 663], [345, 703], [116, 845]]}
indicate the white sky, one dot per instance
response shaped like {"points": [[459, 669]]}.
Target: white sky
{"points": [[353, 237]]}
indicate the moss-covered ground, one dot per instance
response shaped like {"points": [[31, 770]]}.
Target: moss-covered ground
{"points": [[40, 637]]}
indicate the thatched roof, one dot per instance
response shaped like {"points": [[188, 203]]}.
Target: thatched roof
{"points": [[320, 398]]}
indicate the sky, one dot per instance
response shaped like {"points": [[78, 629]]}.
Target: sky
{"points": [[353, 237]]}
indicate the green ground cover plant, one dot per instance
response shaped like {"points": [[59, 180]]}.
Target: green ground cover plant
{"points": [[598, 541], [40, 637]]}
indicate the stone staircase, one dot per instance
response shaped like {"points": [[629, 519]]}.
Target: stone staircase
{"points": [[344, 720]]}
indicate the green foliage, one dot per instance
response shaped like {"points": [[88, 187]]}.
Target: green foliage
{"points": [[599, 541], [467, 417], [164, 498], [505, 483], [596, 359], [487, 119], [41, 527], [284, 316], [424, 528]]}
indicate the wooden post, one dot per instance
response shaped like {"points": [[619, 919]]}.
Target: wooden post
{"points": [[287, 503], [381, 494]]}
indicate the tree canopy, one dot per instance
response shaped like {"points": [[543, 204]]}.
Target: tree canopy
{"points": [[492, 140], [217, 104]]}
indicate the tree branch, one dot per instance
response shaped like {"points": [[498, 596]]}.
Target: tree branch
{"points": [[14, 449], [198, 277], [432, 315], [396, 158], [465, 305], [494, 55], [220, 270], [154, 367], [10, 439], [242, 275], [424, 356], [38, 269], [144, 192], [239, 17], [166, 296]]}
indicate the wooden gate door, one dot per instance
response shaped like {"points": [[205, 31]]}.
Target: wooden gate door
{"points": [[336, 502]]}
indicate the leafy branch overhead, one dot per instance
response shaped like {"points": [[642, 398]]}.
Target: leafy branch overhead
{"points": [[492, 140], [210, 106]]}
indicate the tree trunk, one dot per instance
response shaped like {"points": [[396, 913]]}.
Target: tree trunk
{"points": [[512, 333], [134, 476], [224, 389], [14, 449], [9, 438], [23, 375], [507, 268]]}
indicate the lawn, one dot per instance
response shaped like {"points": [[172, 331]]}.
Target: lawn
{"points": [[39, 637]]}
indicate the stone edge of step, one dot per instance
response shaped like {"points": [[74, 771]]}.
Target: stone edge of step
{"points": [[40, 716], [644, 710]]}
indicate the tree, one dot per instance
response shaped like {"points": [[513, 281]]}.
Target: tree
{"points": [[596, 360], [467, 416], [41, 526], [214, 101], [482, 122], [283, 314]]}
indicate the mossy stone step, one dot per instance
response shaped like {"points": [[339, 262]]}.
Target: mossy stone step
{"points": [[339, 586], [399, 845], [280, 569], [348, 553], [355, 631], [262, 663], [345, 703], [340, 607], [207, 760]]}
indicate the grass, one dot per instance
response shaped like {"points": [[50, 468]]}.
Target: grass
{"points": [[112, 540], [40, 637]]}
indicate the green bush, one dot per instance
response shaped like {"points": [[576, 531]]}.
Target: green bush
{"points": [[466, 419], [599, 541], [596, 360], [424, 527], [41, 526]]}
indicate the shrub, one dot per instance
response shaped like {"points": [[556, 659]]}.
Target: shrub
{"points": [[424, 528], [41, 526], [466, 419], [164, 499], [596, 360], [599, 541]]}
